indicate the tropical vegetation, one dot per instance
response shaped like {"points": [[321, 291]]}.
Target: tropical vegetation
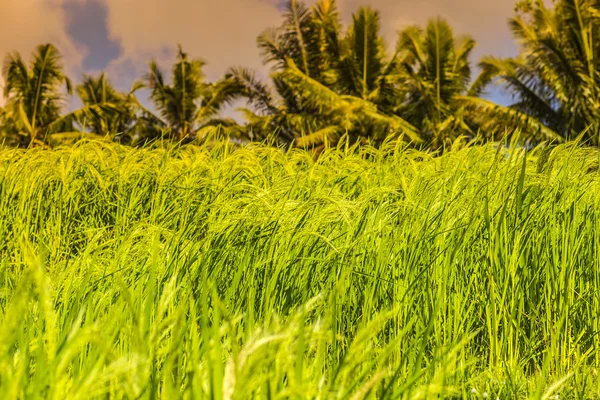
{"points": [[331, 83]]}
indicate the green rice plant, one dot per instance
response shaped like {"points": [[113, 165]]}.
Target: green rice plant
{"points": [[250, 272]]}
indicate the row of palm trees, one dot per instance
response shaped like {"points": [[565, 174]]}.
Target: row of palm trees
{"points": [[329, 83]]}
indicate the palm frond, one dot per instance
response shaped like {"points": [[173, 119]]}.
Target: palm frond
{"points": [[271, 48], [367, 48], [313, 93], [245, 84], [500, 118], [34, 92], [16, 76], [295, 28]]}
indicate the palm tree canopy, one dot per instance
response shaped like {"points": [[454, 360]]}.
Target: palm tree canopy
{"points": [[177, 103], [364, 54], [555, 78], [105, 110], [307, 36], [97, 90], [434, 68], [33, 94], [188, 103]]}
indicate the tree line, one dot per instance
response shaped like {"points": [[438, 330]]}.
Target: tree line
{"points": [[329, 82]]}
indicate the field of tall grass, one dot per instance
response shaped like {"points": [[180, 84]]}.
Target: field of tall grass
{"points": [[229, 272]]}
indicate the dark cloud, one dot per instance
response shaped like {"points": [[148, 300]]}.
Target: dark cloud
{"points": [[86, 24]]}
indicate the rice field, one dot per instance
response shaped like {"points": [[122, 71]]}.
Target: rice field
{"points": [[228, 272]]}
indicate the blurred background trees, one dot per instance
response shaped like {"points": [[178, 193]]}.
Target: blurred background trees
{"points": [[329, 82]]}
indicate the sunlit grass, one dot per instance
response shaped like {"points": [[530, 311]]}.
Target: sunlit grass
{"points": [[252, 272]]}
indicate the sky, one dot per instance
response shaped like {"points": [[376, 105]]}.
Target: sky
{"points": [[121, 36]]}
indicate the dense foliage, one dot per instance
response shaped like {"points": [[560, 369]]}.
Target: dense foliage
{"points": [[330, 82], [249, 272]]}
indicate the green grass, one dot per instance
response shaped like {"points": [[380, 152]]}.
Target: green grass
{"points": [[251, 272]]}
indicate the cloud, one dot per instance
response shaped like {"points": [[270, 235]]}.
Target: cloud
{"points": [[222, 32], [24, 24], [86, 24]]}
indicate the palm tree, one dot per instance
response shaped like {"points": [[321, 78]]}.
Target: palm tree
{"points": [[356, 118], [434, 69], [188, 104], [555, 79], [307, 113], [352, 64], [326, 86], [308, 37], [427, 81], [362, 66], [34, 98], [106, 111]]}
